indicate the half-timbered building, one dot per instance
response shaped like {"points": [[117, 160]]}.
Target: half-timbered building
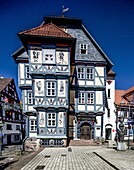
{"points": [[62, 75], [10, 113]]}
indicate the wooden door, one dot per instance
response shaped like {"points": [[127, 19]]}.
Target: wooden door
{"points": [[85, 132]]}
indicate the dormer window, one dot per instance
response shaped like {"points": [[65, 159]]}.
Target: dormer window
{"points": [[83, 48]]}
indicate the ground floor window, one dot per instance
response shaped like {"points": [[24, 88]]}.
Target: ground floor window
{"points": [[33, 125], [17, 137]]}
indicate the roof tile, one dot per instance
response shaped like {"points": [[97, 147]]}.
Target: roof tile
{"points": [[118, 97], [4, 82], [48, 30]]}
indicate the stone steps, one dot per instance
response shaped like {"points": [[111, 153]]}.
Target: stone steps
{"points": [[83, 142]]}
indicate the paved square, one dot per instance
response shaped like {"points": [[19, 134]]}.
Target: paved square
{"points": [[71, 158]]}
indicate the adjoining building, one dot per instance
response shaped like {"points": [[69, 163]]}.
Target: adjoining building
{"points": [[124, 102], [62, 74], [13, 129], [109, 126]]}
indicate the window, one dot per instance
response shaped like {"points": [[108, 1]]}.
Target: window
{"points": [[9, 127], [81, 73], [16, 116], [27, 72], [90, 98], [30, 98], [17, 127], [108, 93], [125, 113], [87, 73], [33, 125], [51, 119], [81, 98], [90, 73], [108, 113], [51, 88], [83, 48], [8, 114], [16, 137]]}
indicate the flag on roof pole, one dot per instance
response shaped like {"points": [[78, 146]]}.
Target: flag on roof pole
{"points": [[64, 10]]}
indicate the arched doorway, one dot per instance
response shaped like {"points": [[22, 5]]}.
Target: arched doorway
{"points": [[85, 131], [108, 132]]}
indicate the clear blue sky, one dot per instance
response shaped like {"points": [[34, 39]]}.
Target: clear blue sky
{"points": [[110, 22]]}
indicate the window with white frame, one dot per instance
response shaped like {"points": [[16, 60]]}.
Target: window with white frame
{"points": [[90, 73], [33, 125], [81, 73], [27, 71], [86, 73], [83, 48], [51, 88], [30, 101], [51, 119], [81, 97], [90, 98]]}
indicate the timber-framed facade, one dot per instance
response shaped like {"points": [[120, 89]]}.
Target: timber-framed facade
{"points": [[62, 75]]}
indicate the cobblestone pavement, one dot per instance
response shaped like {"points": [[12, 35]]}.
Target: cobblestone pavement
{"points": [[72, 158], [123, 160]]}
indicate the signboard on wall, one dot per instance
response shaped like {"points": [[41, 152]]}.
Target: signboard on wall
{"points": [[62, 57], [61, 119], [39, 87], [49, 56], [36, 56], [61, 88], [41, 119]]}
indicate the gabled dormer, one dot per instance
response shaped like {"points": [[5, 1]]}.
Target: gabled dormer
{"points": [[49, 48]]}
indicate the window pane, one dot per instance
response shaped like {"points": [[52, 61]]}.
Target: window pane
{"points": [[90, 98], [90, 73]]}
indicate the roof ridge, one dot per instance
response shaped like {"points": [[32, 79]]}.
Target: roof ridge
{"points": [[45, 25], [60, 29]]}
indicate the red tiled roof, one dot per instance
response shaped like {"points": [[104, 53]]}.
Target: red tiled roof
{"points": [[118, 97], [48, 30], [111, 72], [130, 90], [4, 82]]}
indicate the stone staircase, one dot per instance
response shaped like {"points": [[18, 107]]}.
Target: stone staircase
{"points": [[83, 142]]}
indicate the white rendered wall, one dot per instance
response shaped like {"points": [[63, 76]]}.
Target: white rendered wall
{"points": [[112, 119]]}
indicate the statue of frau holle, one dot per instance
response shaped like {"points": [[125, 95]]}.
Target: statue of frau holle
{"points": [[120, 132], [120, 135]]}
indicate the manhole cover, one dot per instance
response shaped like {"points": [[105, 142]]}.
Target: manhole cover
{"points": [[47, 156], [63, 155], [40, 167]]}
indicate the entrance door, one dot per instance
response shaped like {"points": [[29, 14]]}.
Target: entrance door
{"points": [[85, 132], [108, 133], [8, 139]]}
